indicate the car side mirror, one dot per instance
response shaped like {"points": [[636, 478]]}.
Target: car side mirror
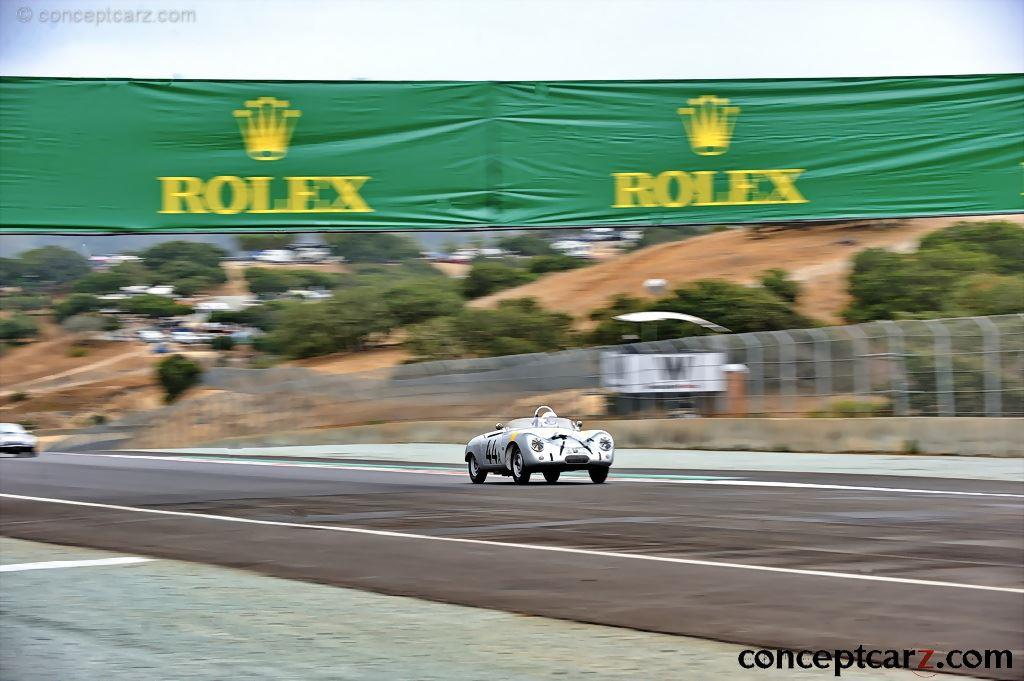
{"points": [[498, 426], [578, 424]]}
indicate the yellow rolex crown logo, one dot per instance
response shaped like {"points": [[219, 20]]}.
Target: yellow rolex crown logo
{"points": [[709, 123], [266, 124]]}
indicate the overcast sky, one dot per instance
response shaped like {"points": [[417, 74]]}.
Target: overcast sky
{"points": [[512, 40]]}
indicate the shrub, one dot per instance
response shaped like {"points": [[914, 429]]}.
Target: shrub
{"points": [[342, 323], [18, 328], [526, 244], [19, 396], [76, 303], [778, 282], [542, 264], [967, 269], [488, 276], [222, 343], [149, 305], [24, 303], [77, 351], [89, 322], [738, 308], [177, 374], [514, 327]]}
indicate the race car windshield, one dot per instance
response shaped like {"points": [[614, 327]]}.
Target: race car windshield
{"points": [[11, 428], [542, 422]]}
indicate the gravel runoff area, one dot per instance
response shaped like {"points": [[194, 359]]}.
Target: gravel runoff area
{"points": [[173, 619]]}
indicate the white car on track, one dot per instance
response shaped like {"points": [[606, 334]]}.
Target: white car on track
{"points": [[16, 441], [542, 443]]}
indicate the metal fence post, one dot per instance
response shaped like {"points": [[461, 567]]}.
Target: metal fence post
{"points": [[718, 343], [990, 348], [822, 362], [861, 372], [787, 368], [943, 368], [898, 373], [756, 377]]}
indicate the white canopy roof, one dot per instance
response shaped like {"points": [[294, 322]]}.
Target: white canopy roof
{"points": [[655, 316]]}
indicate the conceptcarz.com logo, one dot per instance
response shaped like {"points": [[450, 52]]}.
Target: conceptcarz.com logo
{"points": [[923, 662]]}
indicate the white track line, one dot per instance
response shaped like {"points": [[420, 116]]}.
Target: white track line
{"points": [[666, 480], [52, 564], [515, 545]]}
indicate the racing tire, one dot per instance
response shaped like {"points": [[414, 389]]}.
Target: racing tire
{"points": [[551, 476], [520, 473], [475, 473], [598, 474]]}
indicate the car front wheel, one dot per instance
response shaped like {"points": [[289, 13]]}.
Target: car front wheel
{"points": [[598, 474], [475, 474], [520, 473], [552, 476]]}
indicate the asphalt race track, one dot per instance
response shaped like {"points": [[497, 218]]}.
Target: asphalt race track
{"points": [[832, 561]]}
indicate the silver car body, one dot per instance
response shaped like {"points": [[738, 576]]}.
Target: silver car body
{"points": [[16, 441], [546, 442]]}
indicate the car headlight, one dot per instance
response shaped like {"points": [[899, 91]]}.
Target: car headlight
{"points": [[537, 445], [605, 443]]}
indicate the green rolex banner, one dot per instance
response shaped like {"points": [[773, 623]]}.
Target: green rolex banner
{"points": [[170, 156]]}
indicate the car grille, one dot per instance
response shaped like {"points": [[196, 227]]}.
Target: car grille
{"points": [[577, 458]]}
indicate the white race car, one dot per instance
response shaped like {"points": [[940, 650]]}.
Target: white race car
{"points": [[544, 443], [16, 441]]}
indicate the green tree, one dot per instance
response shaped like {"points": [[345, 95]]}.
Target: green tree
{"points": [[25, 302], [421, 298], [264, 242], [343, 323], [488, 276], [515, 327], [778, 282], [153, 306], [76, 303], [222, 343], [434, 339], [372, 247], [51, 265], [266, 280], [177, 374], [739, 308], [309, 278], [264, 316], [11, 272], [942, 278], [542, 264], [988, 294], [1004, 241], [88, 322], [526, 244], [109, 281], [196, 252]]}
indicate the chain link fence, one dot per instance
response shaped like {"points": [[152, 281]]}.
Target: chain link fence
{"points": [[971, 366]]}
